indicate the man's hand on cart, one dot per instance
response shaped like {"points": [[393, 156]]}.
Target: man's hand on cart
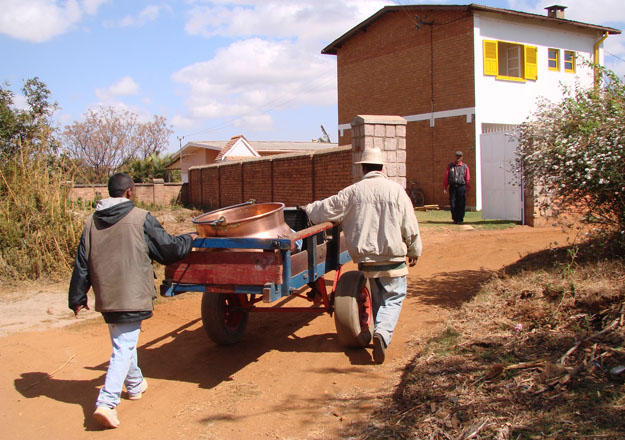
{"points": [[412, 261]]}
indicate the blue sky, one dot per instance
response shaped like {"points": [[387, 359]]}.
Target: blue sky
{"points": [[214, 69]]}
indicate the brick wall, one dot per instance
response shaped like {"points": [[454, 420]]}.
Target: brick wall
{"points": [[293, 179], [432, 149], [158, 193], [195, 187], [396, 69], [256, 174], [330, 172], [230, 183]]}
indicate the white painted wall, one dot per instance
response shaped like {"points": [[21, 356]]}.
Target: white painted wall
{"points": [[241, 149], [510, 102]]}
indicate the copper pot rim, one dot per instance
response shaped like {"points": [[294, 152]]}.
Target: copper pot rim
{"points": [[279, 206]]}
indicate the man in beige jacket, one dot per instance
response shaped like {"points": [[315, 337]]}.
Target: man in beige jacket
{"points": [[380, 229]]}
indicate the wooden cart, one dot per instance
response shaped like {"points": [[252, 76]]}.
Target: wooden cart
{"points": [[238, 275]]}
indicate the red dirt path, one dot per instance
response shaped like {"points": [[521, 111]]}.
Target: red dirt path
{"points": [[288, 379]]}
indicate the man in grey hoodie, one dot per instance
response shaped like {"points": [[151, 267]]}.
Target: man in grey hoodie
{"points": [[114, 257]]}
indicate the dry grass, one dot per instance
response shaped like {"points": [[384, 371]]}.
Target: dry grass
{"points": [[39, 228], [535, 355]]}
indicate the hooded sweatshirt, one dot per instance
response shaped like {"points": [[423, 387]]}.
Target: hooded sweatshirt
{"points": [[115, 256]]}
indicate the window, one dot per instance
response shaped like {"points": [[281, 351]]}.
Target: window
{"points": [[554, 59], [510, 61], [569, 61]]}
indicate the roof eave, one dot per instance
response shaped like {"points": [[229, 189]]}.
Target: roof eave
{"points": [[332, 48]]}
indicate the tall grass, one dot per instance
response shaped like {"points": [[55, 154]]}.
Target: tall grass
{"points": [[39, 229]]}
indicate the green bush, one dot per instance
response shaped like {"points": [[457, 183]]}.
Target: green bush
{"points": [[39, 227], [573, 152]]}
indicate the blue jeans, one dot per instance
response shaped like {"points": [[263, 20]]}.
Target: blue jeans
{"points": [[387, 296], [123, 368]]}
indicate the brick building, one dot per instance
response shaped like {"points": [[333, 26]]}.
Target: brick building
{"points": [[457, 73]]}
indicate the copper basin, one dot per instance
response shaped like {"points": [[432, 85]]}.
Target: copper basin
{"points": [[259, 220]]}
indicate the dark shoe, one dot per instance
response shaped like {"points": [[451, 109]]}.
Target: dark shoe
{"points": [[379, 349]]}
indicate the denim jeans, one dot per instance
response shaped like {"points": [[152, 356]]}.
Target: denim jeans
{"points": [[123, 368], [387, 296], [457, 202]]}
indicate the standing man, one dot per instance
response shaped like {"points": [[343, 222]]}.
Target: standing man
{"points": [[118, 243], [457, 181], [380, 230]]}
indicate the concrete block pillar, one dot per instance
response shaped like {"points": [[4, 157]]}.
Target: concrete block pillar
{"points": [[387, 133]]}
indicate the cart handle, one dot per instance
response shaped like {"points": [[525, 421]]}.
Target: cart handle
{"points": [[315, 229]]}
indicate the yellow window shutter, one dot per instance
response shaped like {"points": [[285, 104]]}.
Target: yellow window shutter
{"points": [[531, 63], [491, 65]]}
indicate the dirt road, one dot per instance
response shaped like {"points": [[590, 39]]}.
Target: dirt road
{"points": [[289, 378]]}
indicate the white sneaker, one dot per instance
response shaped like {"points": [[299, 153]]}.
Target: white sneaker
{"points": [[106, 417], [142, 389]]}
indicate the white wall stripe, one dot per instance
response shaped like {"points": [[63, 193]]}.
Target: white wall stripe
{"points": [[467, 111]]}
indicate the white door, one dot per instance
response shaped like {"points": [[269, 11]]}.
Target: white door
{"points": [[502, 198]]}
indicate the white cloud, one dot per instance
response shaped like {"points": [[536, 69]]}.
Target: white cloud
{"points": [[40, 20], [91, 6], [149, 13], [124, 87], [277, 66], [253, 77], [185, 123], [305, 19]]}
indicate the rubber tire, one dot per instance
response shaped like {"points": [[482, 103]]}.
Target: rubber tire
{"points": [[215, 316], [347, 305]]}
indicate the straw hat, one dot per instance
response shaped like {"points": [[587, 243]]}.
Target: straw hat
{"points": [[372, 156]]}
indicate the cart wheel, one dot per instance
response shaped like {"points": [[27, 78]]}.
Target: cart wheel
{"points": [[353, 313], [222, 324]]}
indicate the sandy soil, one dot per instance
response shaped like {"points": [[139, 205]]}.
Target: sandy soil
{"points": [[288, 379]]}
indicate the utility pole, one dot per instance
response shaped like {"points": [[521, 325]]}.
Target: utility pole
{"points": [[180, 157]]}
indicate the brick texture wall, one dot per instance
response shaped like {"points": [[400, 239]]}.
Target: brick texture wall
{"points": [[330, 172], [395, 68], [195, 187], [293, 179], [256, 174], [160, 194], [230, 183]]}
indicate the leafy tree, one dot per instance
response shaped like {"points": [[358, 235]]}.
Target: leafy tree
{"points": [[109, 138], [154, 166], [32, 124], [574, 153], [39, 230]]}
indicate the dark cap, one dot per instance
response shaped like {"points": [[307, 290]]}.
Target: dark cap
{"points": [[458, 153]]}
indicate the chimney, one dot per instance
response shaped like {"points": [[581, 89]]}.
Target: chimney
{"points": [[556, 11]]}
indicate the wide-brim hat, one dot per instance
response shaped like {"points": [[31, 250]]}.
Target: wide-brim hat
{"points": [[373, 156]]}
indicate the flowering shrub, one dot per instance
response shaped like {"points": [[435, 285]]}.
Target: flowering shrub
{"points": [[573, 152]]}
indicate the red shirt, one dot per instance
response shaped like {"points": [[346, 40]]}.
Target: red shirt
{"points": [[467, 176]]}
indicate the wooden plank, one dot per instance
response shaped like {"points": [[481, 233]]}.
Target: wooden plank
{"points": [[227, 267]]}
